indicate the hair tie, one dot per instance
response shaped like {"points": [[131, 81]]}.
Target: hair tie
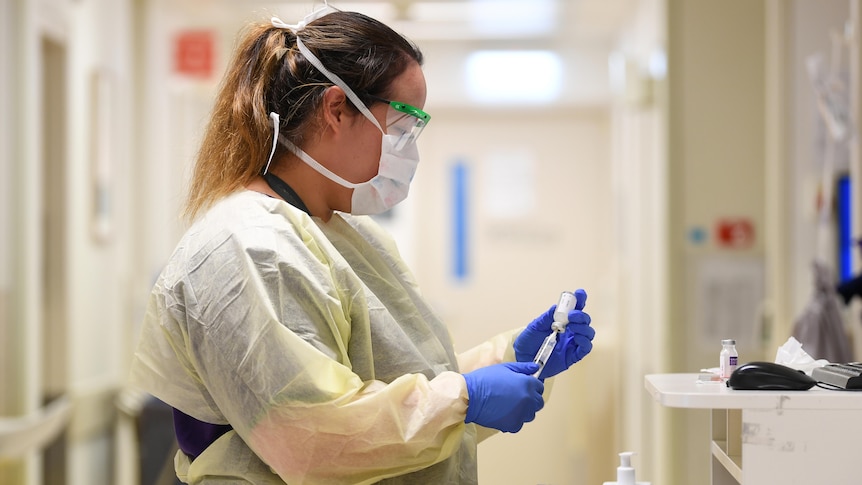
{"points": [[295, 28]]}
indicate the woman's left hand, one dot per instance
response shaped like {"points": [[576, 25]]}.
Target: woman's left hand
{"points": [[572, 345]]}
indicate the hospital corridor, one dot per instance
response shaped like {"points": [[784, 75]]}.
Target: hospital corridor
{"points": [[692, 165]]}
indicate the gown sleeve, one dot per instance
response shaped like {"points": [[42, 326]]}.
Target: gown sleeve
{"points": [[494, 351]]}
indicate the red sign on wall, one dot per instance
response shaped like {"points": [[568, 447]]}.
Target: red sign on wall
{"points": [[734, 233], [194, 53]]}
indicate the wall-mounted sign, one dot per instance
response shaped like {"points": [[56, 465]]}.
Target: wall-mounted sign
{"points": [[737, 233], [194, 53]]}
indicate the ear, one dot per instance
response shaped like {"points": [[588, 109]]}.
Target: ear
{"points": [[335, 113]]}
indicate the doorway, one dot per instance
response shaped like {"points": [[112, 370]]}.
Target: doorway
{"points": [[54, 243]]}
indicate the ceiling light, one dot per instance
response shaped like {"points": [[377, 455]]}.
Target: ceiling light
{"points": [[514, 77]]}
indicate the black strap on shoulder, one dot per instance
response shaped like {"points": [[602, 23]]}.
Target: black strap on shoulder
{"points": [[285, 192]]}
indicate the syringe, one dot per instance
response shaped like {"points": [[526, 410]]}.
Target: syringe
{"points": [[561, 319]]}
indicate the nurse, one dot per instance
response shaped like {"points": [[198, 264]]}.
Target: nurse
{"points": [[285, 331]]}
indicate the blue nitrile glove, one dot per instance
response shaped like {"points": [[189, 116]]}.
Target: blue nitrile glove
{"points": [[572, 345], [504, 396]]}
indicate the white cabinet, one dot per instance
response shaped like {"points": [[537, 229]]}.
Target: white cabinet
{"points": [[772, 437]]}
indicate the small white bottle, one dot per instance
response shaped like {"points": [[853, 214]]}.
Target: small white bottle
{"points": [[626, 472], [728, 359]]}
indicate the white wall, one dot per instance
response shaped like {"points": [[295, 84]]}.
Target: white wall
{"points": [[92, 328], [518, 264], [23, 333], [716, 133], [99, 256], [6, 68], [640, 175]]}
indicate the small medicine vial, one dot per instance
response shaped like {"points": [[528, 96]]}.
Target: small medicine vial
{"points": [[728, 358]]}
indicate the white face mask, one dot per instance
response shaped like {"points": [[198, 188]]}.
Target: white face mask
{"points": [[386, 189], [398, 160]]}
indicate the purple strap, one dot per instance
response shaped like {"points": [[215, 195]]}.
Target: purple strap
{"points": [[195, 436]]}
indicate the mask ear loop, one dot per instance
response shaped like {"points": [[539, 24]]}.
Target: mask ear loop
{"points": [[275, 125]]}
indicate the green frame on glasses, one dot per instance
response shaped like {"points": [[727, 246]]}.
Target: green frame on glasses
{"points": [[405, 108]]}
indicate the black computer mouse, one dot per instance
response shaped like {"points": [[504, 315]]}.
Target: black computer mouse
{"points": [[769, 376]]}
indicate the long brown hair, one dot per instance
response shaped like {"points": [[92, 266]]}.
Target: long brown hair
{"points": [[268, 73]]}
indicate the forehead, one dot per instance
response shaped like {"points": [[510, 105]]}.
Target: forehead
{"points": [[409, 87]]}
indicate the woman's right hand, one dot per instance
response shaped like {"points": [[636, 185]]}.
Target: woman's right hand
{"points": [[504, 396]]}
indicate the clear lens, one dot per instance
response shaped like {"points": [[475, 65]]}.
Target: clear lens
{"points": [[405, 128], [405, 122]]}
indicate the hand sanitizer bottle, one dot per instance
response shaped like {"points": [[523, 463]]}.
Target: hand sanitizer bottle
{"points": [[625, 472]]}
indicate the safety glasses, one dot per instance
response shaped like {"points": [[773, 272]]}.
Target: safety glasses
{"points": [[404, 121]]}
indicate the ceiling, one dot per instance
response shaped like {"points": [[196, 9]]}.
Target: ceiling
{"points": [[503, 20], [583, 33], [582, 21]]}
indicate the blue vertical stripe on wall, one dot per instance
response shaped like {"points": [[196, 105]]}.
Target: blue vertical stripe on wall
{"points": [[845, 234], [460, 174]]}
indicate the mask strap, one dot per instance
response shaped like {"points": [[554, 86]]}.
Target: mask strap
{"points": [[338, 82], [295, 28], [275, 136], [315, 164], [325, 9], [278, 23]]}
